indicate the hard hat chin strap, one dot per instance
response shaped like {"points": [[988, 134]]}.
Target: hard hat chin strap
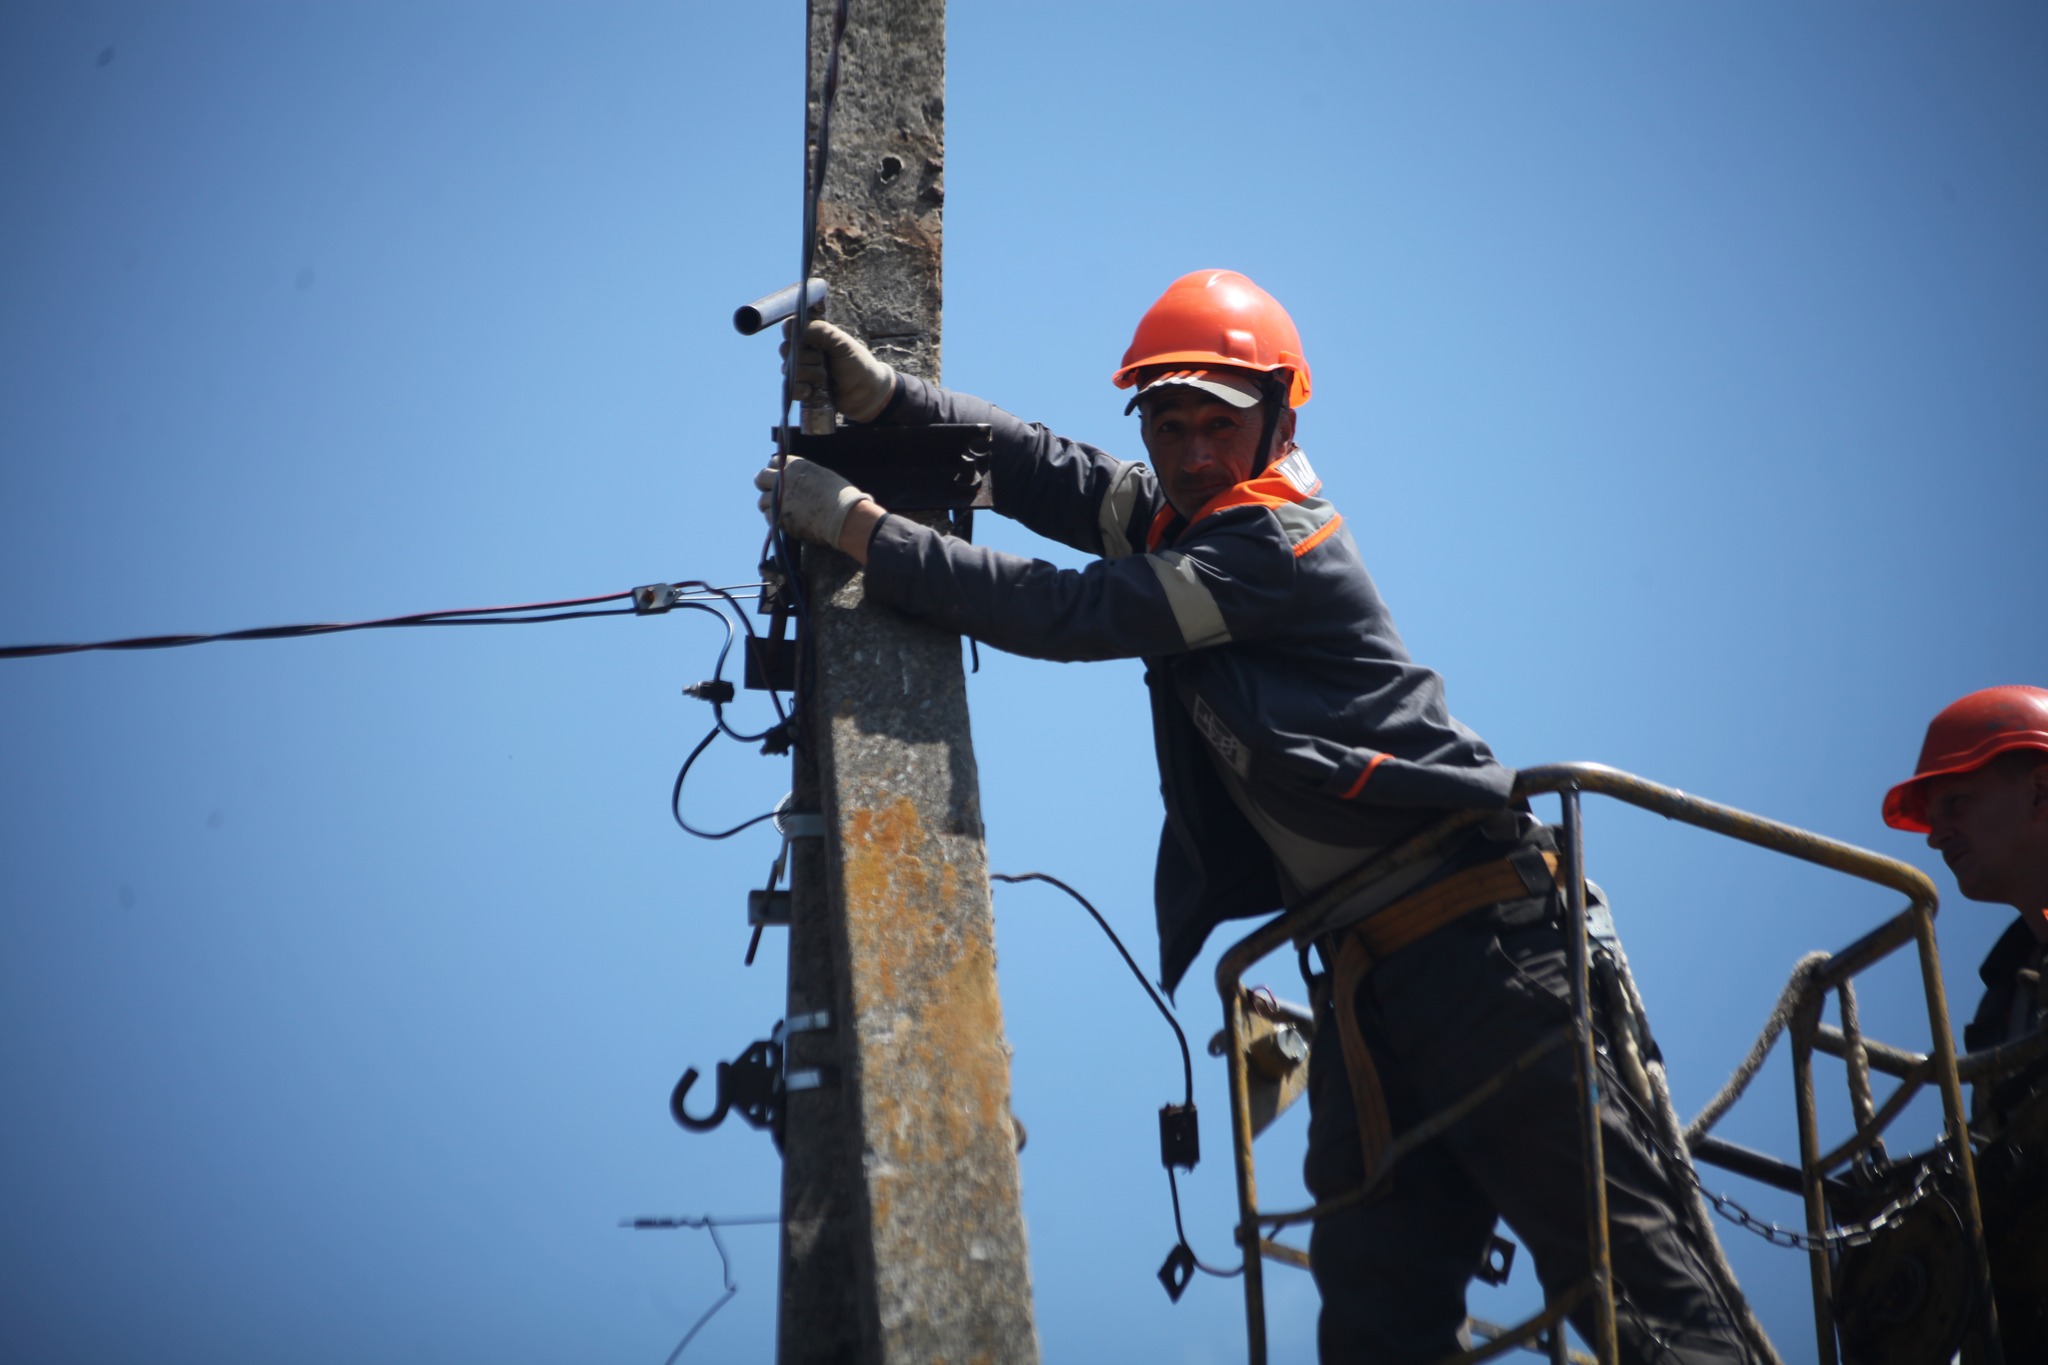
{"points": [[1272, 404]]}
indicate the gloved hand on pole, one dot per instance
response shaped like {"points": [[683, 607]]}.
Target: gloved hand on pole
{"points": [[819, 506], [833, 361]]}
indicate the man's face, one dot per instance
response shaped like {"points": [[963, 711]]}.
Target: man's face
{"points": [[1201, 445], [1991, 828]]}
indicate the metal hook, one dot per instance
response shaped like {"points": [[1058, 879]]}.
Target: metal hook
{"points": [[752, 1085], [682, 1090]]}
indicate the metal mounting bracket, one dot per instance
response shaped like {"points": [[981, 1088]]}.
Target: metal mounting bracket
{"points": [[940, 468]]}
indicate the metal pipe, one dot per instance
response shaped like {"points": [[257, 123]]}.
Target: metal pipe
{"points": [[1805, 1017], [1868, 1131], [1247, 1191], [1880, 943], [1958, 1124], [1757, 1166], [1504, 1339], [779, 306], [1560, 1349], [1421, 1133], [1994, 1062], [1736, 824], [1892, 1061], [1593, 1162], [1283, 1253]]}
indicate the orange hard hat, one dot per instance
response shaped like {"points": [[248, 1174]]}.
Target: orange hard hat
{"points": [[1963, 738], [1218, 317]]}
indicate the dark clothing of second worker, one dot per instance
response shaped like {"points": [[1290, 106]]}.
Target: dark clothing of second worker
{"points": [[2012, 1169], [2009, 1010], [1292, 732]]}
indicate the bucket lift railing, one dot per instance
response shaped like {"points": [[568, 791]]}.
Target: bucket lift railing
{"points": [[1915, 924]]}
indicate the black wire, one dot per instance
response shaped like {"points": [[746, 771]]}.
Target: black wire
{"points": [[711, 1225], [778, 542], [1173, 1186], [526, 613], [531, 613], [1187, 1062], [703, 1220], [746, 623], [1186, 1058], [731, 1289], [718, 675], [675, 800]]}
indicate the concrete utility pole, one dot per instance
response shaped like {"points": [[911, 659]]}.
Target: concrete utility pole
{"points": [[903, 1235]]}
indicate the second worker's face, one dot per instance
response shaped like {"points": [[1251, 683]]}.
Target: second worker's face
{"points": [[1991, 828], [1202, 446]]}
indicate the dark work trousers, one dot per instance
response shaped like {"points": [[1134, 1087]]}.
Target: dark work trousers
{"points": [[1440, 1017]]}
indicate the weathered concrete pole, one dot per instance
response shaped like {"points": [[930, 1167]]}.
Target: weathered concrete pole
{"points": [[903, 1232]]}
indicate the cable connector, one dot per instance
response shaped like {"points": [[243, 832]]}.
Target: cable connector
{"points": [[779, 738], [656, 598], [1180, 1136], [717, 691], [1178, 1271]]}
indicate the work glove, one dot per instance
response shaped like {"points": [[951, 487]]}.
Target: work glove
{"points": [[815, 501], [834, 362]]}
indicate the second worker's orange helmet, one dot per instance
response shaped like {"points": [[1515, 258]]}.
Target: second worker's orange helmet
{"points": [[1218, 317], [1966, 735]]}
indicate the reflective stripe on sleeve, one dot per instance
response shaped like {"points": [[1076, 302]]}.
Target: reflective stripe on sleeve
{"points": [[1115, 513], [1194, 606]]}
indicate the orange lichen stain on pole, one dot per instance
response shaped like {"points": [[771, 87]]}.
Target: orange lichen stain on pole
{"points": [[950, 1090]]}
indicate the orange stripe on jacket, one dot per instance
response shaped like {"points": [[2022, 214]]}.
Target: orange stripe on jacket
{"points": [[1322, 533], [1351, 792]]}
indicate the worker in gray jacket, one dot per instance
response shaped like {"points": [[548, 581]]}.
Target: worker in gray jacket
{"points": [[1296, 739]]}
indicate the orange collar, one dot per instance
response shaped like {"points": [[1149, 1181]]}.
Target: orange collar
{"points": [[1287, 480]]}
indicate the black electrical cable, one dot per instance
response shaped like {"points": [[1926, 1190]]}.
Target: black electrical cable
{"points": [[711, 1225], [1187, 1062], [779, 543], [527, 613], [718, 677], [675, 800], [1173, 1187], [1186, 1058]]}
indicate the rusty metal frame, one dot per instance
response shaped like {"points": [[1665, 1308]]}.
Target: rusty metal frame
{"points": [[1568, 781]]}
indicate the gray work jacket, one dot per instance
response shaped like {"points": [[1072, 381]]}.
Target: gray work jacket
{"points": [[1267, 649]]}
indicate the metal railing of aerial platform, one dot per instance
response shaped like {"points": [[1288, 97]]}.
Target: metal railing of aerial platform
{"points": [[1807, 994]]}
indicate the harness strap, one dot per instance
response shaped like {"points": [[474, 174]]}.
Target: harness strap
{"points": [[1378, 937]]}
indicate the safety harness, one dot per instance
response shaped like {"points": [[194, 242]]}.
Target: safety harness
{"points": [[1354, 951]]}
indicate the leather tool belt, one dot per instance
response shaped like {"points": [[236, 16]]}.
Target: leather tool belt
{"points": [[1378, 937]]}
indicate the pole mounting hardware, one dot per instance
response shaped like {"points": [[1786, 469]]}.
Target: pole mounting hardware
{"points": [[940, 468], [752, 1086], [756, 1084]]}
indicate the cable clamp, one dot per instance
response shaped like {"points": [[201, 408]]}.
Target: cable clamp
{"points": [[656, 598], [801, 824], [811, 1078]]}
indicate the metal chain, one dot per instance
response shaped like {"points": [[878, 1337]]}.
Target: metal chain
{"points": [[1846, 1235]]}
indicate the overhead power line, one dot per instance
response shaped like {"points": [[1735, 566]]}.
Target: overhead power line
{"points": [[644, 601]]}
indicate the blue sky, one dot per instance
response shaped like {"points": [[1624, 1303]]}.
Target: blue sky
{"points": [[1680, 370]]}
